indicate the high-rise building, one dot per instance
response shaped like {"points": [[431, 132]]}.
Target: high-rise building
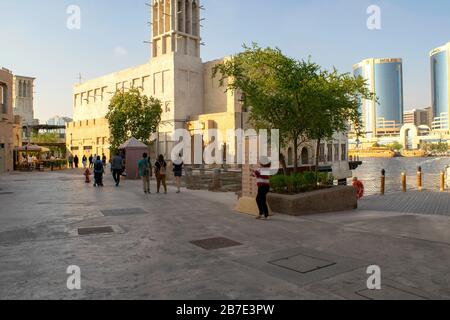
{"points": [[383, 115], [440, 87]]}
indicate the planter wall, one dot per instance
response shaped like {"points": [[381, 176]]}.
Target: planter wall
{"points": [[335, 199]]}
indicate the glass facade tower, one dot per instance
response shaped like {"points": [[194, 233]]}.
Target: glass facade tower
{"points": [[440, 87], [384, 77]]}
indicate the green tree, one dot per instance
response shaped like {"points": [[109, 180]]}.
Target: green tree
{"points": [[334, 105], [51, 140], [277, 89], [133, 115], [395, 146]]}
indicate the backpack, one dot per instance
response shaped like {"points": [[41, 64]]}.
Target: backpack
{"points": [[98, 167]]}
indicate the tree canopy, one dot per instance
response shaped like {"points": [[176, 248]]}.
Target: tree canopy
{"points": [[295, 96], [133, 115]]}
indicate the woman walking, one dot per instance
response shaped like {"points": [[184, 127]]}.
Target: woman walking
{"points": [[84, 161], [160, 173], [178, 171]]}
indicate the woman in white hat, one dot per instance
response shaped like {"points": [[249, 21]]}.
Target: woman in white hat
{"points": [[262, 175]]}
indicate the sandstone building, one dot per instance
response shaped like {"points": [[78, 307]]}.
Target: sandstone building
{"points": [[6, 121], [176, 75]]}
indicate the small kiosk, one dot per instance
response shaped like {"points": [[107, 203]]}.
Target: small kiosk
{"points": [[132, 152]]}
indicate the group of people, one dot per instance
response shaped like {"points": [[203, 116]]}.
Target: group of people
{"points": [[145, 170], [160, 170], [74, 161]]}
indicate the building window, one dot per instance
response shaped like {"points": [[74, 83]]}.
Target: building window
{"points": [[343, 152], [336, 153], [330, 153], [322, 152], [3, 98]]}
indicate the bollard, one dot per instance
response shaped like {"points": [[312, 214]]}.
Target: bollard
{"points": [[383, 182], [419, 179], [403, 182], [442, 181]]}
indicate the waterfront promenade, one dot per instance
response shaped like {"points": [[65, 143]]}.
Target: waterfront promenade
{"points": [[154, 252], [426, 202]]}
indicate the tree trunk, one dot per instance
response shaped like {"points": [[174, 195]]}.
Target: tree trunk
{"points": [[317, 160], [283, 163], [295, 155]]}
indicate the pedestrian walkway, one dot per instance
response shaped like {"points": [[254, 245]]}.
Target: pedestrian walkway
{"points": [[192, 245], [409, 202]]}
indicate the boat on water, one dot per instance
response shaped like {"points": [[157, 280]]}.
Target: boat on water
{"points": [[414, 154], [372, 153]]}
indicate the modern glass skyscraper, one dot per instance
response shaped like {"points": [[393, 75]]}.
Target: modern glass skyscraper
{"points": [[440, 86], [385, 78]]}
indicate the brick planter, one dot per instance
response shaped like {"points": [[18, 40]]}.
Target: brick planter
{"points": [[321, 201]]}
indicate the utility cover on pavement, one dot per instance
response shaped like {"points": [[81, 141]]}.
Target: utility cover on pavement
{"points": [[302, 264], [95, 230], [123, 212], [216, 243], [389, 293]]}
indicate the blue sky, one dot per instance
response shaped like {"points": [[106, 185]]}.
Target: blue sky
{"points": [[35, 40]]}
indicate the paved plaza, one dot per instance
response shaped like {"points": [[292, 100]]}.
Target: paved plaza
{"points": [[194, 246]]}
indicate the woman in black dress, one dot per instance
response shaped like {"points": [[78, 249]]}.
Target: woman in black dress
{"points": [[178, 171]]}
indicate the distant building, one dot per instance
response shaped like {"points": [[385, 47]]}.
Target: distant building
{"points": [[58, 121], [384, 78], [440, 82], [6, 121], [418, 117], [23, 92], [61, 122]]}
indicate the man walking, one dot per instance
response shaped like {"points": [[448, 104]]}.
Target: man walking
{"points": [[98, 172], [70, 161], [91, 161], [76, 160], [117, 167], [145, 172]]}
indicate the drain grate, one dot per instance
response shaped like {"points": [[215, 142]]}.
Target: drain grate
{"points": [[302, 264], [123, 212], [216, 243], [95, 230]]}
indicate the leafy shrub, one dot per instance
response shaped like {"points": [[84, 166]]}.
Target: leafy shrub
{"points": [[278, 183], [309, 178], [299, 182], [325, 179]]}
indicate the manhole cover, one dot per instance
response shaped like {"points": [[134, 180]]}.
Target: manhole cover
{"points": [[5, 193], [389, 293], [216, 243], [94, 230], [302, 264], [123, 212]]}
